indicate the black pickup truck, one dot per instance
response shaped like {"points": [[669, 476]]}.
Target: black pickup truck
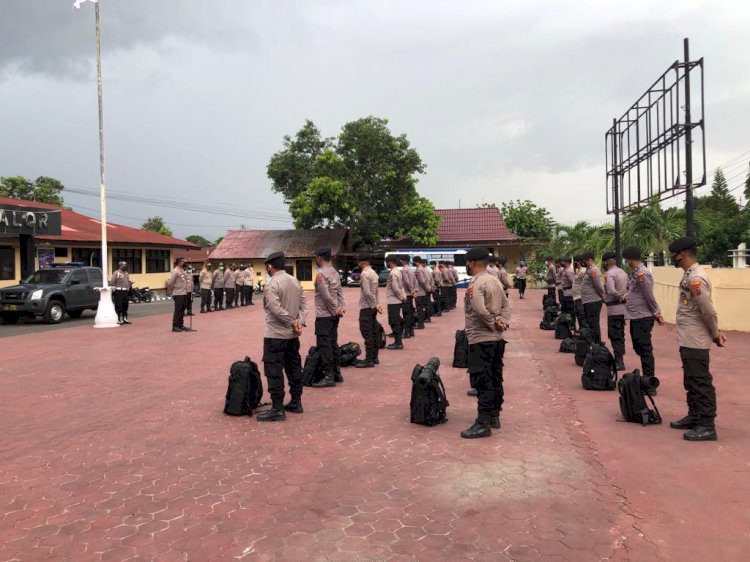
{"points": [[51, 293]]}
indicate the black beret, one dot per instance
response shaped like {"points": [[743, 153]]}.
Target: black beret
{"points": [[477, 254], [417, 259], [404, 257], [324, 251], [363, 257], [392, 258], [492, 258], [587, 256], [608, 256], [274, 256], [566, 259], [632, 253], [681, 244], [503, 259]]}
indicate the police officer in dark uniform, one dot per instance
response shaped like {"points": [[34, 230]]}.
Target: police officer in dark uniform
{"points": [[329, 308], [697, 329]]}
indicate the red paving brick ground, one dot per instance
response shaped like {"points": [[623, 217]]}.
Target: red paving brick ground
{"points": [[114, 447]]}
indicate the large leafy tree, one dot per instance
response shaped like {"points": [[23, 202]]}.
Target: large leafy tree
{"points": [[747, 187], [527, 219], [156, 224], [199, 240], [44, 189], [364, 180]]}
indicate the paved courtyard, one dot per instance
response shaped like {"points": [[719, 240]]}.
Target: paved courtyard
{"points": [[114, 447]]}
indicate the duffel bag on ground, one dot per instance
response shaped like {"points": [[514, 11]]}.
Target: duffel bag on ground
{"points": [[348, 354], [599, 371], [461, 351], [313, 369], [245, 389]]}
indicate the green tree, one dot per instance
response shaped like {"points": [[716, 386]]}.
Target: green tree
{"points": [[43, 190], [527, 219], [364, 180], [218, 240], [721, 200], [652, 228], [747, 187], [156, 224], [199, 240], [485, 205]]}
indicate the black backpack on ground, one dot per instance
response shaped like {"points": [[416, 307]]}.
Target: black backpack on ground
{"points": [[599, 371], [428, 401], [348, 354], [581, 350], [633, 400], [548, 301], [587, 334], [380, 340], [568, 345], [564, 326], [313, 369], [461, 351], [550, 315], [245, 388]]}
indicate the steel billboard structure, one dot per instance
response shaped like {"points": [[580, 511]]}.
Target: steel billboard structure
{"points": [[657, 149]]}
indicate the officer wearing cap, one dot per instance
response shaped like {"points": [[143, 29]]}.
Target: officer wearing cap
{"points": [[396, 297], [205, 281], [229, 285], [615, 295], [697, 328], [437, 289], [487, 316], [285, 306], [424, 288], [567, 279], [369, 308], [641, 309], [521, 272], [239, 281], [579, 270], [218, 283], [120, 283], [329, 308], [410, 282], [551, 276], [492, 268], [592, 293]]}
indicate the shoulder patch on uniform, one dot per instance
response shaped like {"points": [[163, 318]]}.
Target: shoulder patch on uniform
{"points": [[695, 287], [641, 276], [470, 290], [319, 278], [594, 273]]}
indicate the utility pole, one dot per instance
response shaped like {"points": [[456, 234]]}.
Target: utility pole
{"points": [[689, 205], [616, 193]]}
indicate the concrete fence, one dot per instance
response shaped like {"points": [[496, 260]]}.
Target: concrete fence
{"points": [[731, 295]]}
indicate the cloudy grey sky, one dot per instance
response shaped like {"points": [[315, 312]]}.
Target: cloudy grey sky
{"points": [[503, 99]]}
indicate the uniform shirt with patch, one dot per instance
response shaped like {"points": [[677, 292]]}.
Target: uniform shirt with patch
{"points": [[521, 272], [329, 296], [394, 287], [120, 280], [578, 283], [177, 284], [229, 279], [615, 288], [423, 281], [551, 276], [641, 301], [568, 278], [284, 302], [409, 279], [484, 302], [697, 322], [205, 280], [218, 279], [592, 289], [368, 288]]}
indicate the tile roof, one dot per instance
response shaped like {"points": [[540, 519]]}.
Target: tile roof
{"points": [[81, 228], [253, 244], [464, 225], [197, 256]]}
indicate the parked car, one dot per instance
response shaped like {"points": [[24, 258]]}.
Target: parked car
{"points": [[353, 277], [51, 293], [383, 277]]}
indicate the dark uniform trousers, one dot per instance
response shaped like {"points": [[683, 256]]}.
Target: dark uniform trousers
{"points": [[120, 298], [444, 298], [178, 318], [699, 385], [452, 296], [395, 322], [238, 294], [640, 333], [521, 287], [551, 292], [567, 305], [368, 327], [205, 299], [486, 376], [421, 310], [327, 340], [218, 299], [592, 312], [279, 356], [437, 300], [408, 310], [578, 309], [560, 296], [230, 297], [616, 334], [243, 295]]}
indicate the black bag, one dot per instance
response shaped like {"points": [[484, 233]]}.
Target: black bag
{"points": [[348, 354], [548, 301], [563, 326], [428, 401], [381, 341], [461, 351], [632, 400], [599, 371], [546, 326], [313, 369], [582, 348], [550, 314], [245, 388], [587, 334], [568, 345]]}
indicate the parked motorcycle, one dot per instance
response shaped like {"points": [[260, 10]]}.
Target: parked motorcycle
{"points": [[142, 294], [259, 288]]}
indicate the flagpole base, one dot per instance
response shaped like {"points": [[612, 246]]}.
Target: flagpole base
{"points": [[106, 317]]}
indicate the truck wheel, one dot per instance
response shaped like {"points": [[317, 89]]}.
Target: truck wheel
{"points": [[10, 318], [54, 313], [75, 313]]}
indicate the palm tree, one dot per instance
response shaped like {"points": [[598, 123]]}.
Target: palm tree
{"points": [[652, 228]]}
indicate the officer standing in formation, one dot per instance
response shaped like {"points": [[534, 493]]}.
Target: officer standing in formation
{"points": [[492, 268], [286, 313], [487, 313], [568, 279], [551, 276], [120, 283], [239, 282], [229, 286], [190, 282], [395, 298], [421, 292], [642, 309], [615, 295], [409, 281], [521, 272], [205, 282], [369, 308], [580, 272], [329, 309], [218, 284], [503, 276], [249, 280], [697, 329], [592, 293], [177, 288], [437, 289], [559, 280]]}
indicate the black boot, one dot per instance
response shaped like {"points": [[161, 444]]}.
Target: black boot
{"points": [[325, 382], [701, 433], [271, 415], [119, 318], [398, 345], [337, 376], [366, 364], [294, 406], [688, 422], [619, 364], [472, 392], [495, 422], [125, 320], [477, 430]]}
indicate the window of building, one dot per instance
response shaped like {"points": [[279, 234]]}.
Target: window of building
{"points": [[157, 261], [7, 263], [304, 270], [132, 256], [289, 269], [61, 252], [89, 256]]}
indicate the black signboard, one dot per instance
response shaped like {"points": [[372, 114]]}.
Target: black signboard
{"points": [[26, 220]]}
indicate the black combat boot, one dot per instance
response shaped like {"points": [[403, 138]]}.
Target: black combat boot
{"points": [[701, 433], [472, 392], [366, 364], [337, 376], [398, 345], [688, 422], [294, 406], [271, 415], [125, 319], [325, 382], [619, 364], [495, 422], [119, 318], [477, 430]]}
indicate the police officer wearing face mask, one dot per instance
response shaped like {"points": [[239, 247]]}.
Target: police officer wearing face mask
{"points": [[329, 308], [205, 281], [615, 294], [120, 283], [218, 282], [592, 293], [697, 329]]}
